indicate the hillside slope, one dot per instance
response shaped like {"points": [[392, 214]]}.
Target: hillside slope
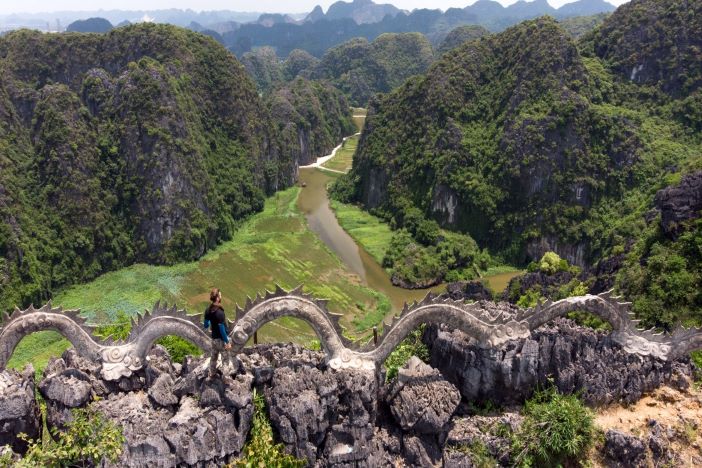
{"points": [[495, 140], [512, 134], [145, 144], [530, 142], [360, 68]]}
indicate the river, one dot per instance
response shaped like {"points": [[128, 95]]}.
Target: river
{"points": [[314, 203]]}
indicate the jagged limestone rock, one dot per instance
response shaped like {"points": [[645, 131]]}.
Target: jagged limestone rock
{"points": [[19, 412], [161, 391], [624, 450], [575, 359], [422, 400]]}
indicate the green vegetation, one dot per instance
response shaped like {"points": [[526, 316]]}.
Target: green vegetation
{"points": [[263, 66], [87, 440], [274, 246], [557, 431], [461, 34], [527, 137], [145, 162], [112, 153], [261, 450], [37, 349], [480, 456], [299, 63], [367, 230], [312, 111], [360, 68], [578, 26], [664, 35], [667, 288], [410, 346], [343, 159]]}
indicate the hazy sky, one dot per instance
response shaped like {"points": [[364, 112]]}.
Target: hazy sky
{"points": [[296, 6]]}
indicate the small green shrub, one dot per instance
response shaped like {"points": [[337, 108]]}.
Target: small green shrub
{"points": [[314, 345], [87, 440], [410, 346], [480, 456], [531, 298], [557, 430], [178, 347], [260, 451]]}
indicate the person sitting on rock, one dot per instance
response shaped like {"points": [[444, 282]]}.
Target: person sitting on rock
{"points": [[215, 318]]}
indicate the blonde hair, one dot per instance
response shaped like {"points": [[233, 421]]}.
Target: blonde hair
{"points": [[214, 295]]}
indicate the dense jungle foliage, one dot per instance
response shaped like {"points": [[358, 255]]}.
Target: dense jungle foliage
{"points": [[528, 141], [358, 68], [145, 144]]}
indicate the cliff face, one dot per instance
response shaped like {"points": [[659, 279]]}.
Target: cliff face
{"points": [[529, 141], [311, 117], [145, 144], [496, 140], [654, 43]]}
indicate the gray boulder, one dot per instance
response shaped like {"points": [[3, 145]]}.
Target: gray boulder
{"points": [[161, 391], [19, 412], [624, 450], [422, 400], [63, 389], [143, 426], [70, 388], [680, 203], [575, 359], [421, 450], [302, 402]]}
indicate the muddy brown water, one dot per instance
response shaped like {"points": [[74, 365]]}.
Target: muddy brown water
{"points": [[314, 203]]}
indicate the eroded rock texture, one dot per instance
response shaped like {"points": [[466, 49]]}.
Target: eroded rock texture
{"points": [[19, 412], [680, 203], [173, 415], [576, 359]]}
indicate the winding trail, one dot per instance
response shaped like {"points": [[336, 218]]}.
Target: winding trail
{"points": [[318, 163]]}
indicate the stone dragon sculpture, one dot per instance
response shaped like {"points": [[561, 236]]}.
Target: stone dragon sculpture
{"points": [[122, 358]]}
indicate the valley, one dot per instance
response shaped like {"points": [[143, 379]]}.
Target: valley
{"points": [[527, 177], [296, 239]]}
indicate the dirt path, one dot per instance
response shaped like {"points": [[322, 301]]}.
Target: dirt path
{"points": [[323, 159]]}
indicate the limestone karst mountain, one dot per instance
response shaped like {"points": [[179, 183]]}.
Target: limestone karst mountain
{"points": [[147, 143], [529, 142]]}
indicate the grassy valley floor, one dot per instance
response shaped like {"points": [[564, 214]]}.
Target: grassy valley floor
{"points": [[274, 246]]}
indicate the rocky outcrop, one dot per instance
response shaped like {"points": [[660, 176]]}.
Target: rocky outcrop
{"points": [[19, 412], [174, 415], [680, 203], [605, 273], [468, 291], [547, 284], [624, 450], [170, 414], [422, 400], [575, 359]]}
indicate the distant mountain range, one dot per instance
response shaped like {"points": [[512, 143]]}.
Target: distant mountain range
{"points": [[366, 11], [317, 31], [363, 18], [487, 12]]}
